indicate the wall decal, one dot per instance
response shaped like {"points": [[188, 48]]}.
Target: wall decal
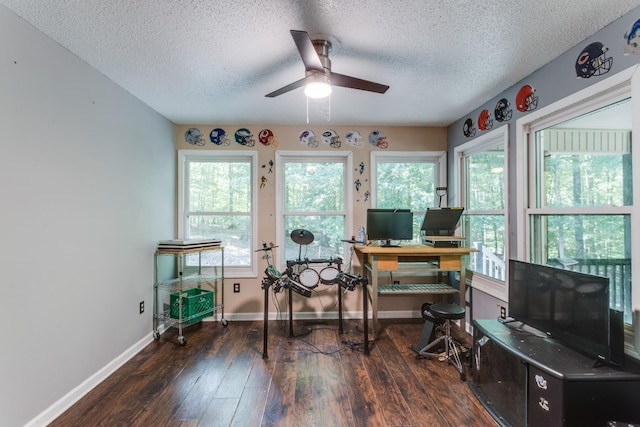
{"points": [[631, 43], [377, 139], [593, 61], [485, 122], [357, 183], [263, 182], [331, 138], [526, 99], [361, 168], [267, 138], [308, 138], [219, 137], [366, 195], [270, 166], [193, 136], [503, 111], [354, 139], [245, 137], [468, 129]]}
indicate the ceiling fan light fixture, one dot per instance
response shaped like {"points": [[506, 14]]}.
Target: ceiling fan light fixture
{"points": [[317, 86]]}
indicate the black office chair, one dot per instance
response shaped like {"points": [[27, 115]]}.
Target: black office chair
{"points": [[446, 312]]}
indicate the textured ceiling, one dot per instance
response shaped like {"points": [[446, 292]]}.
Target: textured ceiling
{"points": [[203, 61]]}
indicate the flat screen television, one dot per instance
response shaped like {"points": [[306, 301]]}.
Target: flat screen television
{"points": [[389, 225], [568, 306]]}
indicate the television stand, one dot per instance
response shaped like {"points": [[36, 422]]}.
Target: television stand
{"points": [[528, 380]]}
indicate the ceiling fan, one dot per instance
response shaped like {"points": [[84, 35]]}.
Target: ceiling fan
{"points": [[318, 74]]}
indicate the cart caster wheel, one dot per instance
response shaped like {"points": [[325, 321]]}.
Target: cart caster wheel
{"points": [[156, 335], [182, 340], [224, 322], [463, 376]]}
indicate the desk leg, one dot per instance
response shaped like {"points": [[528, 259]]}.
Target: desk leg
{"points": [[463, 297], [374, 297], [365, 318]]}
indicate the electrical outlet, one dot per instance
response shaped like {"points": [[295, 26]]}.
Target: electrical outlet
{"points": [[236, 288], [503, 312], [141, 307], [396, 282]]}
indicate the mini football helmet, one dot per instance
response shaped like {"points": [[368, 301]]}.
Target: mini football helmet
{"points": [[245, 137], [632, 39], [331, 138], [267, 138], [526, 100], [485, 122], [354, 138], [193, 136], [219, 137], [377, 139], [468, 129], [503, 111], [593, 61], [308, 138]]}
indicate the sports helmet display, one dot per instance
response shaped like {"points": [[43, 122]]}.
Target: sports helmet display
{"points": [[526, 99], [245, 137], [267, 138], [308, 138], [593, 61], [354, 139], [632, 39], [219, 137], [503, 111], [485, 122], [377, 139], [468, 129], [193, 136], [331, 138]]}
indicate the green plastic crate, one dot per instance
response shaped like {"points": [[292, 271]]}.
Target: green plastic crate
{"points": [[196, 304]]}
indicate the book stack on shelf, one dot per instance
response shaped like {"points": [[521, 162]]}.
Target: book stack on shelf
{"points": [[187, 245]]}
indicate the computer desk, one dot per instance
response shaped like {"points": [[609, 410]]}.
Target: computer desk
{"points": [[375, 259]]}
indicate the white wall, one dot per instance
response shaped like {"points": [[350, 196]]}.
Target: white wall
{"points": [[87, 186]]}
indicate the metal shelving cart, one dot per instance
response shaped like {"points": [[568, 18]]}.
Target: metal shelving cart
{"points": [[194, 291]]}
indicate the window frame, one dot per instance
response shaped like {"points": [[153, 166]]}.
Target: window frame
{"points": [[490, 285], [439, 158], [626, 83], [251, 157], [284, 156]]}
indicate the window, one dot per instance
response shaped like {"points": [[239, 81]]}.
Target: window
{"points": [[408, 180], [314, 194], [579, 190], [579, 215], [217, 198], [481, 170]]}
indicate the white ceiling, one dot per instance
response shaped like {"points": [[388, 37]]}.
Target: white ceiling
{"points": [[212, 62]]}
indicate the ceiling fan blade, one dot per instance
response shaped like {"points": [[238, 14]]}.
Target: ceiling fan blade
{"points": [[308, 53], [356, 83], [287, 88]]}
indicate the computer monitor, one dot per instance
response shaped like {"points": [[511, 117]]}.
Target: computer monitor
{"points": [[389, 225], [441, 221]]}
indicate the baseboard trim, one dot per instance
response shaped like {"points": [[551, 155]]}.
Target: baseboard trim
{"points": [[64, 403]]}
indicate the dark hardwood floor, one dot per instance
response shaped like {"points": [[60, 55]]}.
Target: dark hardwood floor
{"points": [[219, 378]]}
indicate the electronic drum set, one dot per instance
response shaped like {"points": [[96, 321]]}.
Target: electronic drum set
{"points": [[300, 277]]}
